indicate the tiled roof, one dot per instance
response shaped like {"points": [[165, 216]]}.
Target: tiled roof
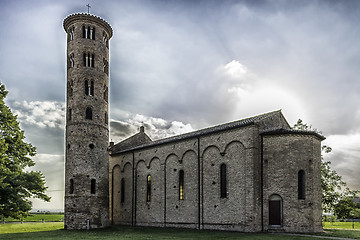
{"points": [[205, 131]]}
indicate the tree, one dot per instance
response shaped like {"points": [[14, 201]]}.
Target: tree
{"points": [[333, 188], [346, 208], [16, 184]]}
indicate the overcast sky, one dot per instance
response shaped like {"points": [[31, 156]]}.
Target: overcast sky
{"points": [[178, 66]]}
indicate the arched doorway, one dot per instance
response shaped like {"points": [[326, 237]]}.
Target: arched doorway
{"points": [[275, 210]]}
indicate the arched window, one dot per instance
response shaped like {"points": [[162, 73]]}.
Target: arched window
{"points": [[122, 189], [181, 185], [301, 184], [88, 113], [84, 31], [71, 186], [89, 88], [223, 181], [93, 186], [89, 60], [148, 188], [71, 62]]}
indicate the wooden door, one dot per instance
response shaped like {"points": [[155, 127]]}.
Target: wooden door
{"points": [[275, 212]]}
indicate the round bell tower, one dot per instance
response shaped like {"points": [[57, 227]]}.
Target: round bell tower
{"points": [[87, 127]]}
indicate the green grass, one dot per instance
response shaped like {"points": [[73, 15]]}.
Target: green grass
{"points": [[55, 230], [38, 218], [341, 225]]}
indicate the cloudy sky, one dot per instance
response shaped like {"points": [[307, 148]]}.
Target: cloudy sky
{"points": [[177, 66]]}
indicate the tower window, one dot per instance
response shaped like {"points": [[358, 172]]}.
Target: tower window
{"points": [[71, 62], [89, 60], [223, 181], [69, 114], [122, 189], [71, 33], [88, 32], [88, 114], [106, 93], [301, 184], [105, 39], [181, 185], [92, 88], [89, 88], [71, 186], [106, 66], [148, 188], [93, 186], [69, 89], [106, 118]]}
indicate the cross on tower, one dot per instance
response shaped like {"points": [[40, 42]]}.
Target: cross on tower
{"points": [[88, 8]]}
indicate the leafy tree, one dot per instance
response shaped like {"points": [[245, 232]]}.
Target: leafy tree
{"points": [[16, 184], [333, 188], [346, 208]]}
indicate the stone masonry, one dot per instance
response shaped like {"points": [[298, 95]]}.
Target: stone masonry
{"points": [[262, 156], [87, 131], [252, 175]]}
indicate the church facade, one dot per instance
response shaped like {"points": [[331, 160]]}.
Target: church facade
{"points": [[252, 175]]}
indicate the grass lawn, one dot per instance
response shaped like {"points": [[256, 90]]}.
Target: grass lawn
{"points": [[42, 231], [342, 225], [38, 218]]}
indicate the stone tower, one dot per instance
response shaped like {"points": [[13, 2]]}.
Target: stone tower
{"points": [[87, 128]]}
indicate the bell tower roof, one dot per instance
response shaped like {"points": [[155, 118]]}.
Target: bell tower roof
{"points": [[83, 17]]}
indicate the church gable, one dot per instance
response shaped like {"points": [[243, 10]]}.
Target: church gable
{"points": [[138, 139]]}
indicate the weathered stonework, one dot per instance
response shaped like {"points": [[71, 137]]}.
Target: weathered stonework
{"points": [[251, 175], [262, 156], [87, 134]]}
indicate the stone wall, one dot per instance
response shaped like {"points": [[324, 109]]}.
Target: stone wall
{"points": [[284, 156], [202, 206]]}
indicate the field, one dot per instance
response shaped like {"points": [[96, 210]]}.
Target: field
{"points": [[38, 218], [55, 230]]}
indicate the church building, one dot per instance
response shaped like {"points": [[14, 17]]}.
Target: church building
{"points": [[252, 175]]}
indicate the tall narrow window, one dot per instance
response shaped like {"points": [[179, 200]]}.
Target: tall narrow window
{"points": [[71, 186], [88, 114], [301, 184], [93, 186], [93, 34], [92, 61], [106, 66], [148, 188], [84, 30], [85, 58], [106, 118], [106, 93], [181, 185], [223, 181], [122, 189], [92, 88], [86, 87], [69, 114], [71, 62]]}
